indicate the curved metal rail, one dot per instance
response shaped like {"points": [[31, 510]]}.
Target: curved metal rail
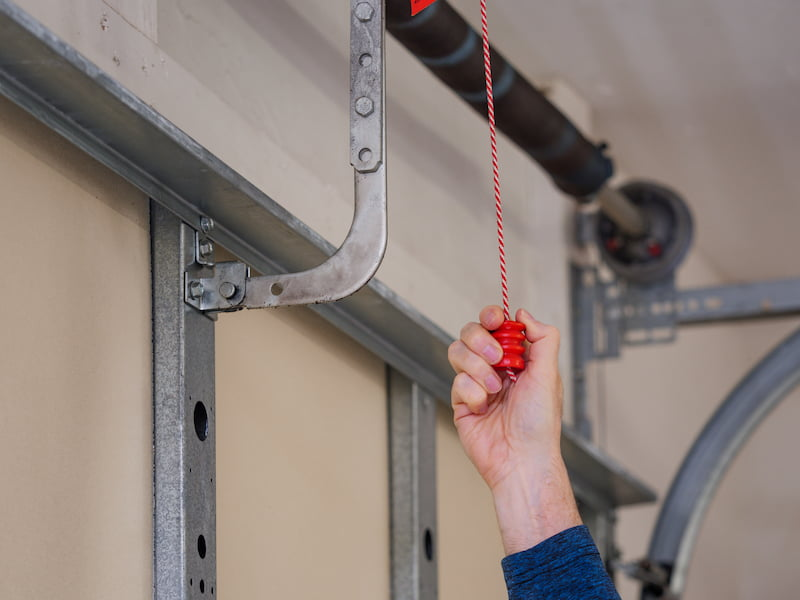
{"points": [[712, 453]]}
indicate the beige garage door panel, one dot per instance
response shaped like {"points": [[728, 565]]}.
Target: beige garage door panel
{"points": [[75, 401], [469, 542], [302, 500]]}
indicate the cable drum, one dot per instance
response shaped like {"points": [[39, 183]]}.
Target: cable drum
{"points": [[654, 256]]}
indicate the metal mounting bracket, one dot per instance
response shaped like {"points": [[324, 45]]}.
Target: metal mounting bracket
{"points": [[610, 312], [361, 253], [223, 291], [627, 314], [636, 314]]}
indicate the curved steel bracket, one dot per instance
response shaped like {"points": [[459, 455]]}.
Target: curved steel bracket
{"points": [[361, 253], [712, 453]]}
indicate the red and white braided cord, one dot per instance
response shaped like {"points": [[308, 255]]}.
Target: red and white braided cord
{"points": [[498, 204], [487, 67]]}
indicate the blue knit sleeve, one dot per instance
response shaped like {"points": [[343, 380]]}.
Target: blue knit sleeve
{"points": [[566, 566]]}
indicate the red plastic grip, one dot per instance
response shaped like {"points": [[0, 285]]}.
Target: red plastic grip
{"points": [[510, 335]]}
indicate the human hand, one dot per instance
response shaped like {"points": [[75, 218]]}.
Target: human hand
{"points": [[502, 423], [511, 431]]}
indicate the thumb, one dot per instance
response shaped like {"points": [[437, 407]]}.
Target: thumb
{"points": [[545, 341]]}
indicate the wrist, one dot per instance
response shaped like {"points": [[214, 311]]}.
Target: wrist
{"points": [[534, 504]]}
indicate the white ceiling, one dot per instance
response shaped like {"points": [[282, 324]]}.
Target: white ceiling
{"points": [[702, 95]]}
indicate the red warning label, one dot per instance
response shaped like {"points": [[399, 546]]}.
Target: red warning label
{"points": [[420, 5]]}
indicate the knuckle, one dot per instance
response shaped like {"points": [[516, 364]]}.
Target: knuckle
{"points": [[473, 335], [467, 391], [460, 381], [476, 394], [465, 330], [459, 390], [453, 350], [489, 314]]}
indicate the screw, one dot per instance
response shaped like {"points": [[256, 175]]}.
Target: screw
{"points": [[364, 106], [364, 12], [206, 248], [196, 289], [227, 290], [206, 224]]}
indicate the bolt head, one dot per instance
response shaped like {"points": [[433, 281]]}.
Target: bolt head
{"points": [[227, 290], [196, 289], [364, 12], [206, 224], [364, 106]]}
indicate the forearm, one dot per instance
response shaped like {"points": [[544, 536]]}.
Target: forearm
{"points": [[534, 503], [566, 566], [549, 556]]}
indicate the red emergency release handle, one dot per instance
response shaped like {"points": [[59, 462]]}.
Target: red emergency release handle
{"points": [[511, 335]]}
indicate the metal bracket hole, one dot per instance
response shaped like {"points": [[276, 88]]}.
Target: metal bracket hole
{"points": [[201, 421], [428, 545]]}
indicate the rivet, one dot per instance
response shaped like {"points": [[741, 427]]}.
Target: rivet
{"points": [[227, 290], [365, 155]]}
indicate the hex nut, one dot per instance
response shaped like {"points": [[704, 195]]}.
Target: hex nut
{"points": [[196, 289], [364, 106], [206, 248], [364, 12]]}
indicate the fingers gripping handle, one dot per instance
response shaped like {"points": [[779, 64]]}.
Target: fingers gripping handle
{"points": [[511, 335]]}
